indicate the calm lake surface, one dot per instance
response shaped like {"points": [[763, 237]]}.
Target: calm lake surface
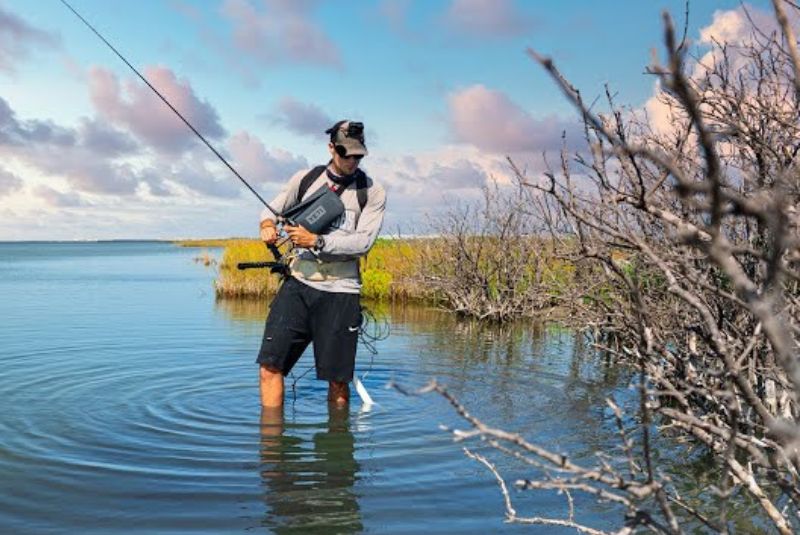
{"points": [[130, 405]]}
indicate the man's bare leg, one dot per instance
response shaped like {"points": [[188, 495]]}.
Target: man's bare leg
{"points": [[271, 450], [270, 383], [338, 393]]}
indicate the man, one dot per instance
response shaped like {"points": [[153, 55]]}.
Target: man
{"points": [[319, 302]]}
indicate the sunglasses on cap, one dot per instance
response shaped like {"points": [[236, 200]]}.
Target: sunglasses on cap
{"points": [[342, 152]]}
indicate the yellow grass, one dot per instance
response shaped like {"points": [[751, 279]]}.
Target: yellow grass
{"points": [[392, 271], [233, 282], [207, 242], [387, 273]]}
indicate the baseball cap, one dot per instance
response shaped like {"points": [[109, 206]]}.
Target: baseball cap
{"points": [[350, 136]]}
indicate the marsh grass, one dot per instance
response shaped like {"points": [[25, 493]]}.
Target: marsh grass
{"points": [[395, 270], [389, 273], [206, 242], [249, 283]]}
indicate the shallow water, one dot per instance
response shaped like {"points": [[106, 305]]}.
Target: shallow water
{"points": [[130, 406]]}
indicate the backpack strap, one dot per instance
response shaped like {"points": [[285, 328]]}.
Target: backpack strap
{"points": [[361, 192], [309, 179], [361, 189]]}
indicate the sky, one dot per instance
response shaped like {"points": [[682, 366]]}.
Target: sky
{"points": [[445, 88]]}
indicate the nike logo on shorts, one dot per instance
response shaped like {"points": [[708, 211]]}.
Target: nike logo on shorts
{"points": [[352, 329]]}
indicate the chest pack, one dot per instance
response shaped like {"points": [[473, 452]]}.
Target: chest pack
{"points": [[313, 175], [318, 210]]}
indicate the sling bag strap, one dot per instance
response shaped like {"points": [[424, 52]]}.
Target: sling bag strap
{"points": [[313, 175]]}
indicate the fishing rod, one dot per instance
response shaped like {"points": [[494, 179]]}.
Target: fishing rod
{"points": [[272, 247], [313, 213], [167, 102]]}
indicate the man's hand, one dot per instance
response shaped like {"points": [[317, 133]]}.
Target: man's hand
{"points": [[301, 237], [269, 234]]}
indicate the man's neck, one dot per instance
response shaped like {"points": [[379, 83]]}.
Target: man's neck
{"points": [[333, 170], [337, 175]]}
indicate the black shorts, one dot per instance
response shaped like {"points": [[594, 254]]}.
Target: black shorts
{"points": [[299, 315]]}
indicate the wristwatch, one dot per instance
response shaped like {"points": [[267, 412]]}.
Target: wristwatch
{"points": [[319, 244]]}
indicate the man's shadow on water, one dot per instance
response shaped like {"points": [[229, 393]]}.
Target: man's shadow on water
{"points": [[308, 484]]}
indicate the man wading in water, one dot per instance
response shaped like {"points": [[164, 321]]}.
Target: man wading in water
{"points": [[319, 302]]}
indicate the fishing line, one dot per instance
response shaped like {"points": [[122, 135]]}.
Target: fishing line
{"points": [[368, 339], [167, 102], [370, 332]]}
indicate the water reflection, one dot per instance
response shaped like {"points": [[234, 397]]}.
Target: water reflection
{"points": [[542, 381], [308, 484], [240, 310], [244, 310]]}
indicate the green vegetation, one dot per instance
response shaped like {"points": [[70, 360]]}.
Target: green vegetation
{"points": [[392, 271], [388, 272], [209, 242], [253, 283], [395, 270]]}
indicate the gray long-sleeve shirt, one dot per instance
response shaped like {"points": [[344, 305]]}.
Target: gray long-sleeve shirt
{"points": [[347, 239]]}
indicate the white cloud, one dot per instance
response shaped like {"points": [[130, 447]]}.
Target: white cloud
{"points": [[732, 27], [59, 199], [302, 118], [491, 121], [252, 158], [9, 182], [283, 32], [18, 38], [487, 18], [134, 106]]}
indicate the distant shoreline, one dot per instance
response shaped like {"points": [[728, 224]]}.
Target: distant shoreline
{"points": [[178, 241], [181, 242]]}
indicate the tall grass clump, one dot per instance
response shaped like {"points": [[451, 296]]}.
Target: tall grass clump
{"points": [[205, 242], [252, 283], [472, 274], [387, 273], [390, 270]]}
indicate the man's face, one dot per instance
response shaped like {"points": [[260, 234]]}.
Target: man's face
{"points": [[344, 165]]}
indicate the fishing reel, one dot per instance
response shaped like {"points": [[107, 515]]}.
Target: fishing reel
{"points": [[278, 265], [315, 214]]}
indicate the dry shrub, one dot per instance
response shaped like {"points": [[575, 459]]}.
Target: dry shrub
{"points": [[695, 234], [492, 261]]}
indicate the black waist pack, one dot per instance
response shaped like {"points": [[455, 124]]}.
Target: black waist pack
{"points": [[316, 212]]}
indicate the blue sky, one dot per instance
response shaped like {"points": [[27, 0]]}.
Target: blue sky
{"points": [[444, 86]]}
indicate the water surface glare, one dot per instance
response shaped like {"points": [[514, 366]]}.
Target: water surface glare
{"points": [[130, 406]]}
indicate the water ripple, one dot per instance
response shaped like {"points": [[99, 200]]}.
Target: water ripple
{"points": [[136, 411]]}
